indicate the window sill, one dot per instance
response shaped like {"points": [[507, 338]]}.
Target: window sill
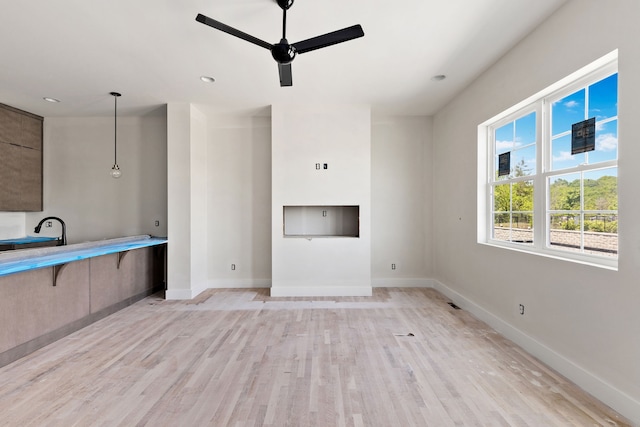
{"points": [[607, 264]]}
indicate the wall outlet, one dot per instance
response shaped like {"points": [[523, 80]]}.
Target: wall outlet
{"points": [[521, 309], [48, 224], [233, 266], [157, 223], [393, 266]]}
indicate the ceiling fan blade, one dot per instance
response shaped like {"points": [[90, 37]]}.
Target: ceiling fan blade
{"points": [[230, 30], [329, 39], [286, 78]]}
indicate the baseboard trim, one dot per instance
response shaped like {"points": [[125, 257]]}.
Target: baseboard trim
{"points": [[388, 282], [321, 291], [239, 283], [601, 390], [180, 294]]}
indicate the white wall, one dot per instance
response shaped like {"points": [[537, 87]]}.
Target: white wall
{"points": [[12, 225], [582, 320], [239, 201], [339, 136], [187, 201], [401, 181], [78, 155]]}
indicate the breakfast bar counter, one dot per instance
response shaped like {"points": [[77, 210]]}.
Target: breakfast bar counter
{"points": [[48, 293]]}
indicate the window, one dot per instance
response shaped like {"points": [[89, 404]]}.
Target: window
{"points": [[551, 163]]}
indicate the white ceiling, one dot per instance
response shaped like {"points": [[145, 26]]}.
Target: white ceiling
{"points": [[153, 52]]}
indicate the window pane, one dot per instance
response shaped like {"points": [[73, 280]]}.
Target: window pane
{"points": [[502, 227], [603, 98], [561, 157], [502, 198], [504, 138], [517, 227], [523, 161], [567, 111], [522, 196], [525, 130], [601, 233], [564, 192], [606, 143], [601, 190], [564, 231], [522, 228]]}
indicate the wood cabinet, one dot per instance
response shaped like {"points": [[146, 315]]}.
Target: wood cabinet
{"points": [[20, 160], [43, 305]]}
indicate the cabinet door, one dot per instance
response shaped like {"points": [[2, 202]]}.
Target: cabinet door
{"points": [[30, 180], [10, 126], [20, 160], [31, 135], [10, 164]]}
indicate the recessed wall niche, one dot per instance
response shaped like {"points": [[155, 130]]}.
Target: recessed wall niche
{"points": [[321, 221]]}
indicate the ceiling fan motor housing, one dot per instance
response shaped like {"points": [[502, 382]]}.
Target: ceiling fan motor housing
{"points": [[283, 52]]}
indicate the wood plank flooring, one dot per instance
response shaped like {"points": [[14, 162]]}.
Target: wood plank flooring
{"points": [[403, 357]]}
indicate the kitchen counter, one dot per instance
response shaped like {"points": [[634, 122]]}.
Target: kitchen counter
{"points": [[28, 242], [29, 259], [48, 293]]}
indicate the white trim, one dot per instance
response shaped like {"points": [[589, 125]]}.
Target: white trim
{"points": [[539, 103], [239, 283], [179, 294], [389, 282], [321, 291], [600, 389]]}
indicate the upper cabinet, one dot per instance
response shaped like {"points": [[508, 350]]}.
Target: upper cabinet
{"points": [[20, 160]]}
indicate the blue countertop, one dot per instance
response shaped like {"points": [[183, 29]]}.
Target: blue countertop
{"points": [[29, 259]]}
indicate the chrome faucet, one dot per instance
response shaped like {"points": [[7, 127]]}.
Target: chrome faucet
{"points": [[63, 238]]}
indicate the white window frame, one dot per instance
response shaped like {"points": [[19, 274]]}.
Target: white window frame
{"points": [[540, 103]]}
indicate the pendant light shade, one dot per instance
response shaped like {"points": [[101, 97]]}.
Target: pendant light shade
{"points": [[115, 170]]}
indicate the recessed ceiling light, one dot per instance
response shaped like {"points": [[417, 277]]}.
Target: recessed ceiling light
{"points": [[438, 78], [49, 99], [207, 79]]}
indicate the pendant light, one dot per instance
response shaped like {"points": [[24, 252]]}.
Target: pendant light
{"points": [[115, 170]]}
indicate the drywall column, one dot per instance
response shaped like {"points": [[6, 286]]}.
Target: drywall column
{"points": [[187, 202], [340, 137]]}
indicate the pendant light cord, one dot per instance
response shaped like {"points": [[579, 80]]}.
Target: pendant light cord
{"points": [[115, 131], [115, 127]]}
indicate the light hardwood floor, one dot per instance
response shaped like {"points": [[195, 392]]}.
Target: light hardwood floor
{"points": [[403, 357]]}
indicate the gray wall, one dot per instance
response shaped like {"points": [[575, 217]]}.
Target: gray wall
{"points": [[78, 155]]}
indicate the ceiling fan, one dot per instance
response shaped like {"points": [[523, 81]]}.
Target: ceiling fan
{"points": [[283, 52]]}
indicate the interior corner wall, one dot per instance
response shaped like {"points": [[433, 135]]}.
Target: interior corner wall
{"points": [[339, 136], [401, 214], [581, 320], [187, 201], [239, 201]]}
